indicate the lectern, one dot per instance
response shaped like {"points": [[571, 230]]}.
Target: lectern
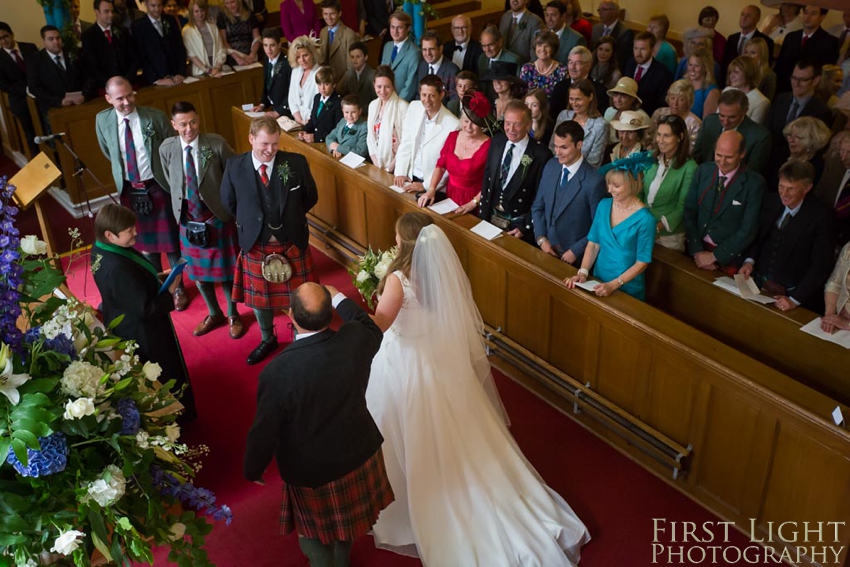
{"points": [[30, 183]]}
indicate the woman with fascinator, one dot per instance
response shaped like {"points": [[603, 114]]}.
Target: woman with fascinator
{"points": [[619, 245], [465, 494], [464, 156]]}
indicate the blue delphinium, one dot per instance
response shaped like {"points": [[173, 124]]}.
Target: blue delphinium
{"points": [[60, 344], [131, 420], [200, 499], [10, 270], [52, 458]]}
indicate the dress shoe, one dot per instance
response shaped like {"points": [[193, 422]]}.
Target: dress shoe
{"points": [[262, 351], [236, 328], [181, 300], [208, 324]]}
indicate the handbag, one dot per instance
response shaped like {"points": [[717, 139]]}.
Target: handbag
{"points": [[140, 201], [198, 234]]}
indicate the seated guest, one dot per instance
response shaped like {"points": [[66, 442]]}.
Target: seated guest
{"points": [[692, 40], [336, 38], [777, 26], [465, 83], [663, 52], [666, 183], [604, 69], [620, 241], [506, 87], [583, 110], [701, 77], [737, 42], [558, 18], [463, 157], [732, 115], [812, 43], [570, 190], [359, 79], [350, 133], [493, 51], [303, 59], [434, 63], [129, 288], [792, 255], [624, 96], [402, 55], [722, 207], [742, 74], [653, 79], [836, 296], [385, 121], [107, 49], [277, 75], [610, 24], [708, 18], [13, 79], [327, 109], [807, 139], [680, 98], [519, 27], [630, 128], [203, 42], [427, 126], [827, 90], [159, 45], [299, 18], [834, 189], [463, 51], [757, 49], [512, 174], [544, 72], [240, 33], [53, 77], [542, 125]]}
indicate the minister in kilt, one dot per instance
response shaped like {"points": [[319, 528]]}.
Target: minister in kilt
{"points": [[269, 192], [193, 165]]}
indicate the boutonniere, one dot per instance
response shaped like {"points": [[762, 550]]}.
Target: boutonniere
{"points": [[95, 265], [165, 26], [522, 25], [116, 32], [149, 132], [524, 162], [283, 172], [205, 154]]}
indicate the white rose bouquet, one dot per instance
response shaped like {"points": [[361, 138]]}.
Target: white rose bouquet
{"points": [[370, 270]]}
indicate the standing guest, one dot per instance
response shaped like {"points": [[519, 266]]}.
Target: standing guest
{"points": [[749, 18], [277, 77], [708, 18], [272, 221], [757, 50], [377, 18], [722, 207], [465, 82], [706, 93], [493, 52], [545, 71], [13, 79], [54, 78], [579, 23], [512, 174], [204, 47], [349, 136], [558, 18], [299, 18], [578, 67], [435, 63], [385, 121], [159, 44], [173, 9], [604, 70], [303, 59], [831, 78], [259, 10], [519, 27], [610, 24], [193, 165], [667, 182], [463, 51], [807, 139], [129, 137], [834, 189], [629, 126], [692, 40], [542, 125], [836, 315], [663, 52], [359, 79], [812, 43], [620, 242], [129, 287], [680, 98], [335, 38], [463, 157], [108, 49], [75, 24], [583, 110], [792, 255], [126, 12], [732, 115], [779, 25], [653, 78], [327, 109], [742, 74], [240, 33], [842, 30], [569, 192], [402, 55], [312, 417], [624, 97]]}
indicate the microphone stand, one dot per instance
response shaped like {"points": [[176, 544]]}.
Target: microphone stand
{"points": [[81, 168]]}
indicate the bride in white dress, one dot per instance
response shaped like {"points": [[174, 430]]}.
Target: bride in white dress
{"points": [[465, 494]]}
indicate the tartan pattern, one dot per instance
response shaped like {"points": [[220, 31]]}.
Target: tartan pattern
{"points": [[157, 232], [193, 195], [216, 263], [130, 150], [250, 288], [342, 510]]}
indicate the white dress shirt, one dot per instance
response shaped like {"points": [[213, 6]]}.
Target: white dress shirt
{"points": [[519, 151], [195, 157], [459, 53], [143, 160]]}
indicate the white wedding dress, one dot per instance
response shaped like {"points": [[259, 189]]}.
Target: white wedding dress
{"points": [[465, 494]]}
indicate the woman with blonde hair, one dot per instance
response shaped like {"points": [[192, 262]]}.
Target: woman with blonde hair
{"points": [[304, 59], [204, 47], [831, 77], [680, 99], [757, 49], [807, 137], [701, 75], [240, 33], [743, 75], [385, 120]]}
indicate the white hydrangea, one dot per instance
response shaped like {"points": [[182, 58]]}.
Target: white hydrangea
{"points": [[82, 380], [109, 488], [381, 268], [79, 408], [67, 542], [362, 276], [152, 370], [172, 432], [142, 439]]}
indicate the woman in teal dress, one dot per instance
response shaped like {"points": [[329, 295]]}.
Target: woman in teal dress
{"points": [[622, 235]]}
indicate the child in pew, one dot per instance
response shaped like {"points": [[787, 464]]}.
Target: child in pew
{"points": [[327, 109], [350, 133]]}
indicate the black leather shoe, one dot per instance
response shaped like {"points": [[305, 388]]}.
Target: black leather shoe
{"points": [[181, 300], [265, 349]]}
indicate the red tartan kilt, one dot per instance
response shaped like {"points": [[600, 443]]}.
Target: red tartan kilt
{"points": [[157, 232], [217, 262], [342, 510], [249, 286]]}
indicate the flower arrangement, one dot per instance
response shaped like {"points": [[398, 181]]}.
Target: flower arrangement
{"points": [[89, 452], [371, 268]]}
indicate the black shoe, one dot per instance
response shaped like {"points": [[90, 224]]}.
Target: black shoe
{"points": [[263, 351]]}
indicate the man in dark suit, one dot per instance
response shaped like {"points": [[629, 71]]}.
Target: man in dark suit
{"points": [[610, 24], [834, 190], [159, 43], [276, 76], [519, 27], [569, 192], [512, 174], [748, 20], [107, 49], [556, 18], [493, 52], [435, 63], [463, 51], [732, 115], [652, 77], [327, 109], [791, 257], [722, 206], [378, 17], [13, 80], [269, 192], [76, 25], [312, 418], [53, 77], [579, 62], [812, 42]]}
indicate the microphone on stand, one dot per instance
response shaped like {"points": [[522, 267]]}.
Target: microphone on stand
{"points": [[42, 139]]}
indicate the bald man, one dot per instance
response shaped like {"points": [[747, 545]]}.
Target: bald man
{"points": [[747, 22], [463, 51]]}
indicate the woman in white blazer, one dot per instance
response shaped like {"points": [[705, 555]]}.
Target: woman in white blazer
{"points": [[304, 60], [203, 41], [837, 295], [385, 120]]}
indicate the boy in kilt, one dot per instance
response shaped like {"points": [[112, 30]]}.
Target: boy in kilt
{"points": [[193, 165], [269, 192], [312, 417]]}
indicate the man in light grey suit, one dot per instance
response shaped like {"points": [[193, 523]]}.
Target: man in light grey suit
{"points": [[557, 20], [519, 27], [433, 63], [570, 190], [402, 55], [193, 164]]}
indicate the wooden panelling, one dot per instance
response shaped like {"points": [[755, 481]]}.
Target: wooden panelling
{"points": [[617, 368], [570, 337], [670, 396], [489, 287], [529, 313]]}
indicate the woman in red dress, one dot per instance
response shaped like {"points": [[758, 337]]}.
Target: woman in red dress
{"points": [[463, 157]]}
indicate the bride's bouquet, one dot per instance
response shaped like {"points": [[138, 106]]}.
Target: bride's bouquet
{"points": [[371, 268]]}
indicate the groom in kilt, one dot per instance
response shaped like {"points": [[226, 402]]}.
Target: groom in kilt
{"points": [[269, 192]]}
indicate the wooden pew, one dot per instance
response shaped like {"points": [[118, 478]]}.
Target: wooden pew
{"points": [[737, 436]]}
